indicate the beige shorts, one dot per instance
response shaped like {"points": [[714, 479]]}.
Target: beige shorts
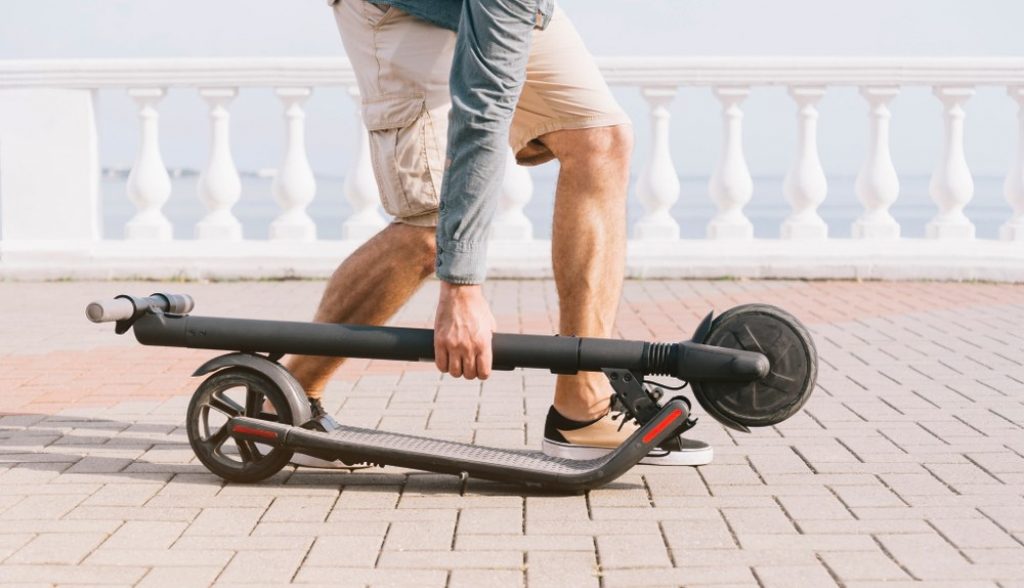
{"points": [[402, 65]]}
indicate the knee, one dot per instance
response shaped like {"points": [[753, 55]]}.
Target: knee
{"points": [[607, 145]]}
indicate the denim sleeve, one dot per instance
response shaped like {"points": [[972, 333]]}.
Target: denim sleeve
{"points": [[488, 71]]}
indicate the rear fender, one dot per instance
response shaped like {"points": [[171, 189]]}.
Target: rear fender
{"points": [[277, 374]]}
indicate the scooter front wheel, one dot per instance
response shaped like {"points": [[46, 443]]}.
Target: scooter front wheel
{"points": [[228, 393], [790, 351]]}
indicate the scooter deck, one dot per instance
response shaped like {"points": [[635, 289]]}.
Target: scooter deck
{"points": [[530, 468]]}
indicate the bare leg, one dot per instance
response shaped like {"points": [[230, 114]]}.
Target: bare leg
{"points": [[368, 288], [588, 249]]}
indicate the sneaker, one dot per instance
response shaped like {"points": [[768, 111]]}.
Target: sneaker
{"points": [[593, 439]]}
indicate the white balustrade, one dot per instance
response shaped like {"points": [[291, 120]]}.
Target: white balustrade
{"points": [[149, 185], [294, 185], [731, 186], [952, 186], [658, 185], [360, 187], [219, 184], [877, 184], [805, 185], [510, 222], [1013, 188], [33, 93]]}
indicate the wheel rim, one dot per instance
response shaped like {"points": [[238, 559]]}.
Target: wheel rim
{"points": [[222, 397], [789, 383]]}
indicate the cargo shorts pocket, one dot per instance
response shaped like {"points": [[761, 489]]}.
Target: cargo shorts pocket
{"points": [[406, 154]]}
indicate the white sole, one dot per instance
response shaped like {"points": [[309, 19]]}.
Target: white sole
{"points": [[691, 457], [308, 461]]}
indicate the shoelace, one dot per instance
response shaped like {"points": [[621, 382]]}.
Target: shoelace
{"points": [[618, 409]]}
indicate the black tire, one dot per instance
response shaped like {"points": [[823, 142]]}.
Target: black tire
{"points": [[211, 442], [794, 366]]}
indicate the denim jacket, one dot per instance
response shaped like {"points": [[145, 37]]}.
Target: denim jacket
{"points": [[488, 71]]}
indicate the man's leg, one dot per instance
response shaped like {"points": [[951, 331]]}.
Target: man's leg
{"points": [[567, 112], [588, 247], [401, 65], [368, 288]]}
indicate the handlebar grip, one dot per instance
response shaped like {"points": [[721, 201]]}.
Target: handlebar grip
{"points": [[125, 307], [108, 311]]}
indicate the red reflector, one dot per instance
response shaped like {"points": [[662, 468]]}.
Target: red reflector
{"points": [[661, 426], [244, 430]]}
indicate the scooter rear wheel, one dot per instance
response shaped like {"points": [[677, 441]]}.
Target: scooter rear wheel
{"points": [[794, 367], [232, 392]]}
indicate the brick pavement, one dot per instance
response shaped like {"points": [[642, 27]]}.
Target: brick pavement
{"points": [[906, 465]]}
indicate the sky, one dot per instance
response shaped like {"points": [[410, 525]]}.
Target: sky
{"points": [[30, 29]]}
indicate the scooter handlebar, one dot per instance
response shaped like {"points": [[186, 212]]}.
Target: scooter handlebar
{"points": [[125, 307], [108, 311]]}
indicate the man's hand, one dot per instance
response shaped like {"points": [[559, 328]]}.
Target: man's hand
{"points": [[462, 332]]}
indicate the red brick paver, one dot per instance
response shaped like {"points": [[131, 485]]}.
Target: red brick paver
{"points": [[907, 464]]}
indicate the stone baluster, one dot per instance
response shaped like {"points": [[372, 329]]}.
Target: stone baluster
{"points": [[951, 185], [510, 223], [805, 185], [731, 186], [877, 185], [219, 184], [658, 185], [148, 186], [294, 185], [1013, 188], [360, 186]]}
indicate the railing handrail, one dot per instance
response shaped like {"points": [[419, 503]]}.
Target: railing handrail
{"points": [[639, 70]]}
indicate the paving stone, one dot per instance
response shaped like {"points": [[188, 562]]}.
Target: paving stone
{"points": [[974, 533], [349, 576], [524, 542], [685, 575], [490, 521], [123, 495], [299, 508], [489, 578], [632, 551], [698, 534], [320, 529], [64, 574], [159, 557], [132, 513], [561, 568], [864, 496], [57, 548], [246, 543], [925, 556], [265, 567], [225, 521], [863, 565], [180, 576], [420, 535], [758, 520], [34, 508], [500, 560], [145, 535], [786, 576]]}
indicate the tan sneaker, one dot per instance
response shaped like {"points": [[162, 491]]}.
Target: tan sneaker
{"points": [[593, 439]]}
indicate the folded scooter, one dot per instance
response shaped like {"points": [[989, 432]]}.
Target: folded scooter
{"points": [[753, 366]]}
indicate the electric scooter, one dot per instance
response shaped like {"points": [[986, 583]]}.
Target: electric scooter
{"points": [[753, 366]]}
